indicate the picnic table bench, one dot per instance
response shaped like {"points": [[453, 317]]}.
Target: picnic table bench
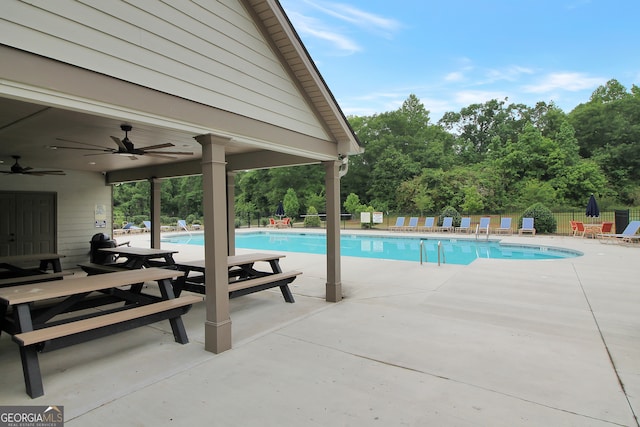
{"points": [[30, 313], [244, 279]]}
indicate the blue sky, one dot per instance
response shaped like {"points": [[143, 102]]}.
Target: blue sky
{"points": [[452, 53]]}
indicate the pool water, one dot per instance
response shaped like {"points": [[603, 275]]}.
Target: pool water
{"points": [[453, 251]]}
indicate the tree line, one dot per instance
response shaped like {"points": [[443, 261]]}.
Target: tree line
{"points": [[486, 158]]}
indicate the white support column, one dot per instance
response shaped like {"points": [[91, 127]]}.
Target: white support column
{"points": [[332, 184], [156, 196], [231, 211], [218, 321]]}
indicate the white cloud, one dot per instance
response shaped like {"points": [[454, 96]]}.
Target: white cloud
{"points": [[455, 76], [314, 28], [356, 16], [572, 82], [511, 73]]}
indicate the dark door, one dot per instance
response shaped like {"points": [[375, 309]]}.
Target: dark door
{"points": [[27, 223]]}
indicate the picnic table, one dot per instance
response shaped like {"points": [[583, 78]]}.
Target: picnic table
{"points": [[14, 262], [136, 258], [47, 316], [244, 278], [20, 269]]}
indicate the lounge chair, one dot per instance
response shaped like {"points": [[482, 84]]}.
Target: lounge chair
{"points": [[606, 228], [505, 226], [578, 229], [628, 235], [465, 225], [428, 224], [447, 224], [483, 227], [527, 227], [130, 228], [413, 224], [272, 223], [147, 225], [573, 227], [285, 223], [182, 224], [399, 224]]}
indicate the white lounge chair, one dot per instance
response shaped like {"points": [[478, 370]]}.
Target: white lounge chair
{"points": [[447, 224], [484, 225], [428, 224], [399, 224], [465, 225], [413, 224], [527, 227], [505, 226]]}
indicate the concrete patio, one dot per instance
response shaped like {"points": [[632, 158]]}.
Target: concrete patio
{"points": [[494, 343]]}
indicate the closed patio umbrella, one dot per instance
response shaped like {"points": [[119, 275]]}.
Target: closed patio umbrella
{"points": [[592, 208], [280, 210]]}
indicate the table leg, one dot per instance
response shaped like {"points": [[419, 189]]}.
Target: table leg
{"points": [[29, 354], [177, 326]]}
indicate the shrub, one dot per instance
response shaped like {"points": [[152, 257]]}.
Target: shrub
{"points": [[312, 219], [543, 219], [452, 212]]}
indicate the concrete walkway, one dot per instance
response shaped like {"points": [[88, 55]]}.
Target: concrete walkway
{"points": [[494, 343]]}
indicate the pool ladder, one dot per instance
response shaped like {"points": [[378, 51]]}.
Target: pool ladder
{"points": [[423, 251]]}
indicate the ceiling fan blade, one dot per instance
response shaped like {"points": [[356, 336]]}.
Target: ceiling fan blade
{"points": [[76, 142], [162, 156], [26, 169], [100, 154], [154, 147], [182, 153], [119, 143], [55, 147], [52, 172]]}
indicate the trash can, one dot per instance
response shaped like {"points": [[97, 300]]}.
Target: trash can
{"points": [[622, 220], [99, 241]]}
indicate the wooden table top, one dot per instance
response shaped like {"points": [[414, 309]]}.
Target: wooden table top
{"points": [[46, 290], [131, 250], [30, 257]]}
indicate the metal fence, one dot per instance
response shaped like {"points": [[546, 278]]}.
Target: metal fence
{"points": [[562, 219]]}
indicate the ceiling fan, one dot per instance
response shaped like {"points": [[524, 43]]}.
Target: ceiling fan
{"points": [[126, 147], [16, 168]]}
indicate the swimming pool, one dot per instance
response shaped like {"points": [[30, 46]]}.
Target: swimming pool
{"points": [[454, 251]]}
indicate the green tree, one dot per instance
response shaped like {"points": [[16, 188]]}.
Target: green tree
{"points": [[291, 204], [351, 203]]}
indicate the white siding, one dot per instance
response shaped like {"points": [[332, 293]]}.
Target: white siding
{"points": [[206, 51], [78, 194]]}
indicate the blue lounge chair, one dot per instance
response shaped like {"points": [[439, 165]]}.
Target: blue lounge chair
{"points": [[447, 224], [399, 224], [413, 224], [130, 228], [465, 225], [428, 224], [527, 227], [505, 226], [147, 225], [628, 235], [483, 227], [182, 224]]}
